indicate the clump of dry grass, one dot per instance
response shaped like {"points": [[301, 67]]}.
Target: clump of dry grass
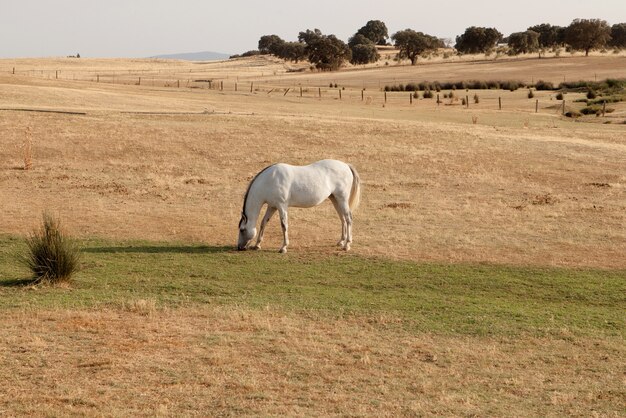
{"points": [[52, 256], [143, 307], [398, 205], [27, 149]]}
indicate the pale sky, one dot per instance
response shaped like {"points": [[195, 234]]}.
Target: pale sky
{"points": [[142, 28]]}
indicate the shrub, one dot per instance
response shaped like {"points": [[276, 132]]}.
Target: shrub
{"points": [[476, 98], [595, 110], [573, 114], [612, 99], [559, 96], [463, 101], [428, 94], [591, 94], [510, 85], [52, 256], [544, 85]]}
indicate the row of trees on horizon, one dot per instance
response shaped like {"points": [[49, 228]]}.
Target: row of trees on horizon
{"points": [[327, 52]]}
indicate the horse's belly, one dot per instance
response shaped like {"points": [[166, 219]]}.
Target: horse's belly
{"points": [[307, 199]]}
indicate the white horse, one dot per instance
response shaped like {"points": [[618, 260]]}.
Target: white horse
{"points": [[282, 185]]}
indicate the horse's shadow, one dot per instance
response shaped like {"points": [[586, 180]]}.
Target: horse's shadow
{"points": [[160, 249]]}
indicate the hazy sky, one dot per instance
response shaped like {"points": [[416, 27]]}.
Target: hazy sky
{"points": [[141, 28]]}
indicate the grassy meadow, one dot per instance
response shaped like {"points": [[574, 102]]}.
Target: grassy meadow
{"points": [[487, 276]]}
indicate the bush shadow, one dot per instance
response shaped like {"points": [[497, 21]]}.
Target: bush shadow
{"points": [[19, 282]]}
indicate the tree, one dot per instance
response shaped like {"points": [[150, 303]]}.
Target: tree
{"points": [[270, 44], [413, 44], [587, 34], [523, 42], [375, 31], [363, 50], [327, 52], [549, 36], [477, 39], [364, 54], [359, 39], [293, 51], [618, 35]]}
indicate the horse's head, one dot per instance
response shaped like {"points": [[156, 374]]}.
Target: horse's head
{"points": [[247, 231]]}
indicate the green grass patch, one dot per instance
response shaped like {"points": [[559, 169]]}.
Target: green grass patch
{"points": [[449, 299]]}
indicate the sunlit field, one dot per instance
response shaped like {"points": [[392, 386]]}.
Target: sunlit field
{"points": [[487, 273]]}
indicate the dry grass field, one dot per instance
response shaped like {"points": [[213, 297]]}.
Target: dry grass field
{"points": [[442, 184]]}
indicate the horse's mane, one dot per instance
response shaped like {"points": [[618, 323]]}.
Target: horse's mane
{"points": [[245, 198]]}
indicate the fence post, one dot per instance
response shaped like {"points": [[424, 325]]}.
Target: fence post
{"points": [[178, 83], [221, 85], [13, 70], [467, 102], [438, 101], [235, 86], [339, 94], [287, 91], [362, 94], [319, 92], [603, 107], [537, 106], [300, 91], [500, 103], [97, 78], [251, 86], [385, 97], [210, 84], [411, 98], [563, 106], [56, 76]]}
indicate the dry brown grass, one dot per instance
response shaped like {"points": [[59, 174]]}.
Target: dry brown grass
{"points": [[518, 188], [27, 148], [233, 361], [182, 176]]}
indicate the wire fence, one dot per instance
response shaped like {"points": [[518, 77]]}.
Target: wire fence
{"points": [[292, 88]]}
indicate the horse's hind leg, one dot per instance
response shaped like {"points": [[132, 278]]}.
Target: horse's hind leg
{"points": [[285, 227], [344, 207], [344, 227], [268, 215]]}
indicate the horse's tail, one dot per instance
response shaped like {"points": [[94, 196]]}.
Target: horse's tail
{"points": [[355, 192]]}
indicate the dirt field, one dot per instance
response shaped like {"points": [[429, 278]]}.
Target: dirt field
{"points": [[516, 187], [242, 362], [445, 184]]}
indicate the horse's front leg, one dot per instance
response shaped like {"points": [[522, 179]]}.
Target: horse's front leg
{"points": [[268, 215], [285, 227]]}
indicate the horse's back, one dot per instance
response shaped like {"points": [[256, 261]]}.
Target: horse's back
{"points": [[308, 185]]}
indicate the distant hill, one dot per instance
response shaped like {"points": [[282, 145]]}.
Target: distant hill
{"points": [[195, 56]]}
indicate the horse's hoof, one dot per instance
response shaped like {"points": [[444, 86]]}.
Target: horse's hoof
{"points": [[340, 244], [346, 247], [256, 248], [283, 250]]}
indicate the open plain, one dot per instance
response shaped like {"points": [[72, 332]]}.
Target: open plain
{"points": [[488, 269]]}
